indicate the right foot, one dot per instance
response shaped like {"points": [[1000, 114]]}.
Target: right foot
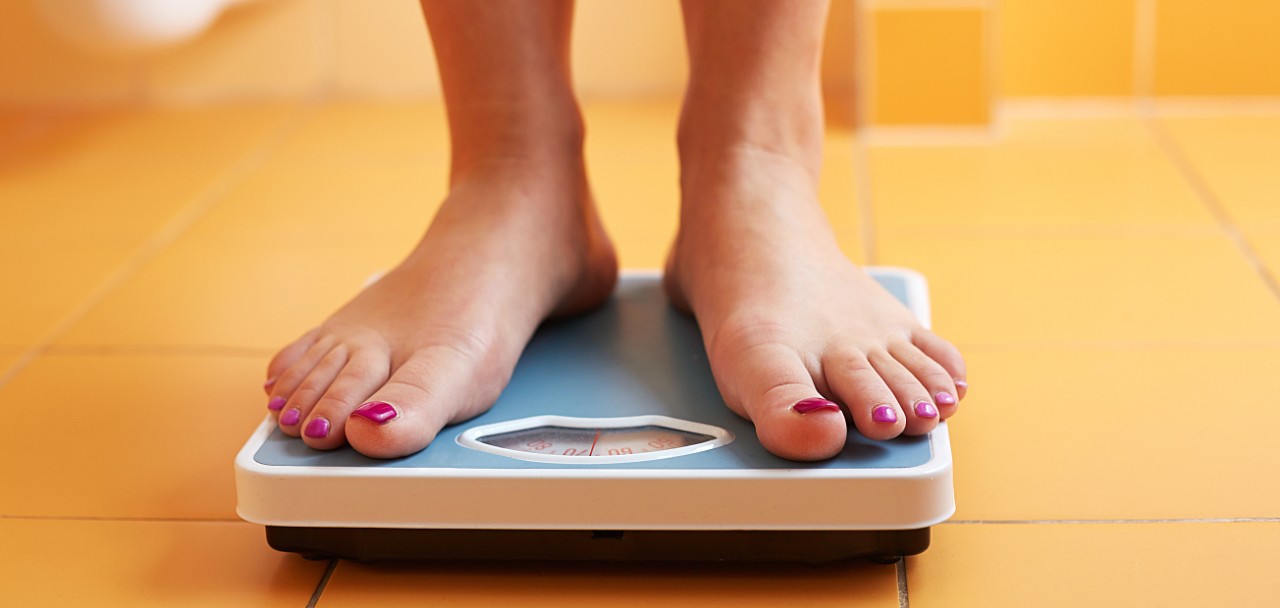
{"points": [[435, 340]]}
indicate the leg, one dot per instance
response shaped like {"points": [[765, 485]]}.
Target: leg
{"points": [[790, 325], [516, 240]]}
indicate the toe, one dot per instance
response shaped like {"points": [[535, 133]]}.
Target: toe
{"points": [[433, 387], [771, 386], [945, 354], [294, 417], [287, 357], [366, 370], [913, 398], [936, 380], [288, 381], [871, 402]]}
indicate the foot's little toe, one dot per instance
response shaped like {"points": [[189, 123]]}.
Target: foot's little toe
{"points": [[940, 388], [304, 397], [287, 380], [946, 355], [286, 358]]}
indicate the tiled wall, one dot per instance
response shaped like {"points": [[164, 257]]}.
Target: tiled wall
{"points": [[916, 61], [1051, 48], [1220, 48], [1076, 48], [925, 62]]}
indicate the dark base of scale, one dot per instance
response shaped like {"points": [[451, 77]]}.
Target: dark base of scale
{"points": [[383, 544]]}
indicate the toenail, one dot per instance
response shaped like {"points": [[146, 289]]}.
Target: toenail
{"points": [[269, 383], [380, 412], [276, 404], [290, 417], [884, 413], [944, 398], [318, 428], [924, 409], [814, 404], [962, 384]]}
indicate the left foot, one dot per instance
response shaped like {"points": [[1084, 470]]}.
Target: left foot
{"points": [[800, 340]]}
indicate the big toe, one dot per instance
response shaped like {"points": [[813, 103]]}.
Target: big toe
{"points": [[772, 387], [427, 392]]}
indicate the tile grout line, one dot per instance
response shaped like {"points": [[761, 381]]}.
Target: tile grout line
{"points": [[1199, 185], [1119, 345], [904, 600], [324, 582], [202, 350], [1200, 520], [864, 64], [193, 520], [862, 191], [253, 352], [178, 225], [1144, 48]]}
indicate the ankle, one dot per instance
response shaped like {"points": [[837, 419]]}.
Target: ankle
{"points": [[714, 128], [515, 134]]}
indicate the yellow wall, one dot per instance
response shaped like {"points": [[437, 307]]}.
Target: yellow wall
{"points": [[917, 61]]}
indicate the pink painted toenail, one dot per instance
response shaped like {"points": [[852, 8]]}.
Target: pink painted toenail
{"points": [[269, 383], [290, 417], [814, 404], [380, 412], [924, 409], [318, 428], [884, 413], [944, 398], [276, 404], [962, 384]]}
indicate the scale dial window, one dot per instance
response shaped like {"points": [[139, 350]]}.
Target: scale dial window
{"points": [[566, 440]]}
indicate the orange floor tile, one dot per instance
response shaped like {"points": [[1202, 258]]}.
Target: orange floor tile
{"points": [[583, 586], [7, 361], [1127, 288], [1071, 565], [127, 435], [1266, 241], [1058, 176], [1116, 432], [147, 563], [83, 193], [1231, 154], [1112, 281]]}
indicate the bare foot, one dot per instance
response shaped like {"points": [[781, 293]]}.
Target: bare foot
{"points": [[794, 331], [435, 340]]}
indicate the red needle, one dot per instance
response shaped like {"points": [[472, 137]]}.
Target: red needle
{"points": [[593, 443]]}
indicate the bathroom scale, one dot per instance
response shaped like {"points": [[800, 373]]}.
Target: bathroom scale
{"points": [[611, 442]]}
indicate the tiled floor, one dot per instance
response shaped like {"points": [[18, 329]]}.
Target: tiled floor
{"points": [[1112, 281]]}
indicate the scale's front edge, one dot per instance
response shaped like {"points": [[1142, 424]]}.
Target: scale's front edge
{"points": [[585, 498]]}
